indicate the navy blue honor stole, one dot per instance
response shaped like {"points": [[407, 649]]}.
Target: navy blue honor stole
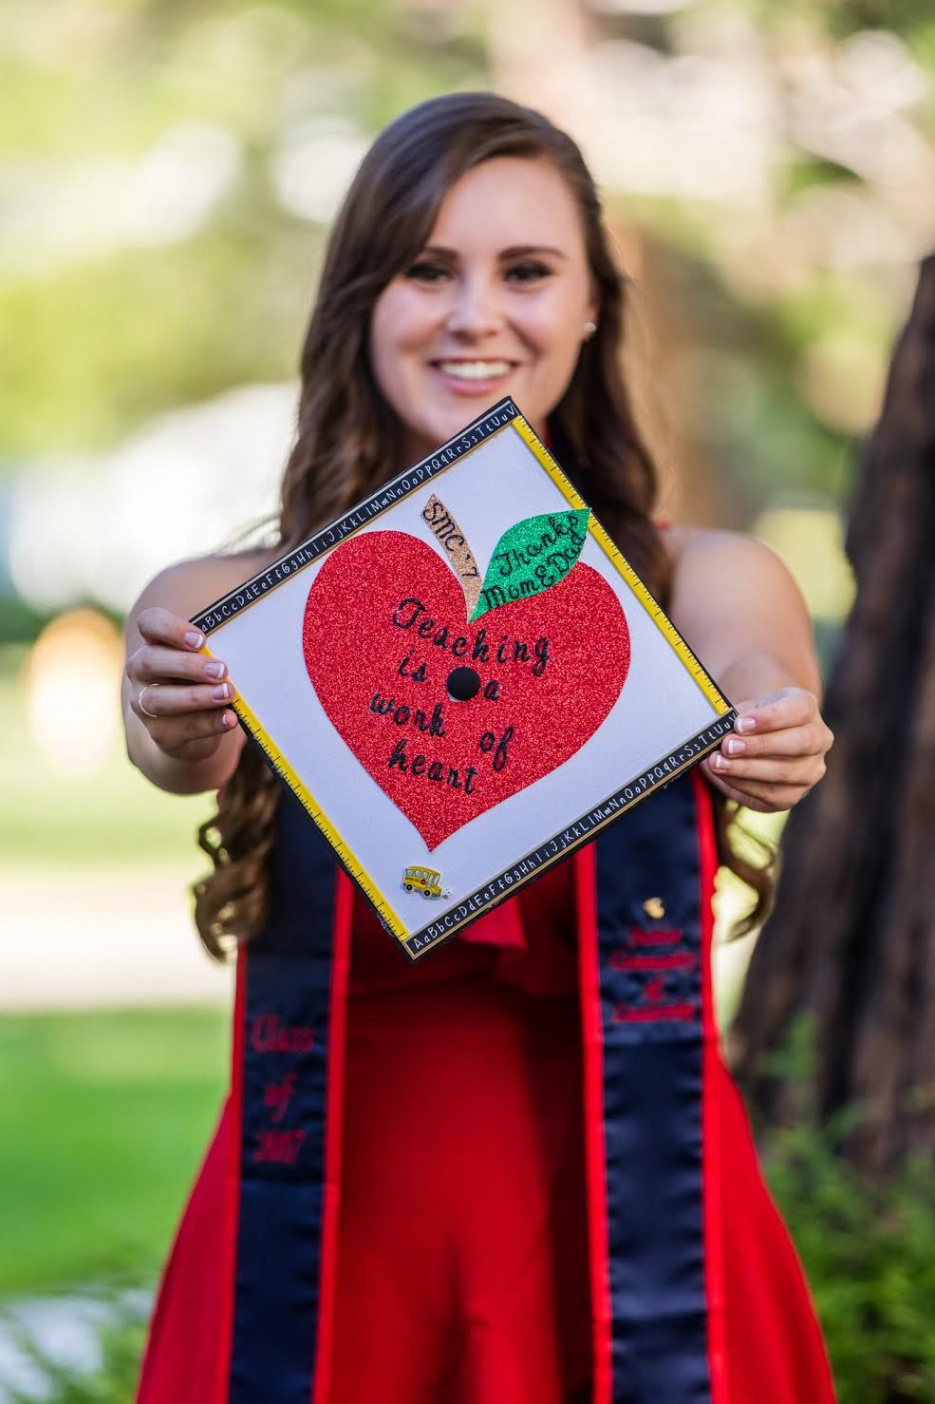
{"points": [[288, 1054], [650, 1047], [643, 891]]}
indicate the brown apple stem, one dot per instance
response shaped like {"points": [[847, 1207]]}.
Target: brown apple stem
{"points": [[460, 555]]}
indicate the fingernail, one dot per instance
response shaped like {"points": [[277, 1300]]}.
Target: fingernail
{"points": [[214, 670], [746, 723], [735, 747], [720, 762], [220, 692], [194, 639]]}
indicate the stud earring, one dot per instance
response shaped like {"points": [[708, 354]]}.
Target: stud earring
{"points": [[590, 328]]}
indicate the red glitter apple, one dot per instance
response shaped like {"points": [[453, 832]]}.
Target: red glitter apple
{"points": [[451, 717]]}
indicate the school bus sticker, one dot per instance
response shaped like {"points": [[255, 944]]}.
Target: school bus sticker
{"points": [[428, 881]]}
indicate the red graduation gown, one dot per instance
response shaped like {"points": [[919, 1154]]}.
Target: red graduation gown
{"points": [[467, 1075]]}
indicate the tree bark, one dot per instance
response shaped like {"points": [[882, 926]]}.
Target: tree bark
{"points": [[852, 938]]}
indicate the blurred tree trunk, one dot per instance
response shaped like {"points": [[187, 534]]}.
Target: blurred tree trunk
{"points": [[852, 937]]}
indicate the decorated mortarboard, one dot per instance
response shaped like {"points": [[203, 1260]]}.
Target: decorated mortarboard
{"points": [[463, 680]]}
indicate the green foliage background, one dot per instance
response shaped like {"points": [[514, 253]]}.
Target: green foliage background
{"points": [[97, 336], [92, 345]]}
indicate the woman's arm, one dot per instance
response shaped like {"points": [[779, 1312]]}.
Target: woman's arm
{"points": [[739, 609], [193, 742]]}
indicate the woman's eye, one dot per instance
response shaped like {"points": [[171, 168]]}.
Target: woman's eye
{"points": [[427, 272], [528, 272]]}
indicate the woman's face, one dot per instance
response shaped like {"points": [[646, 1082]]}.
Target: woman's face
{"points": [[495, 304]]}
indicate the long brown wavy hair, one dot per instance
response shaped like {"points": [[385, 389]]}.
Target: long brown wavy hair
{"points": [[349, 440]]}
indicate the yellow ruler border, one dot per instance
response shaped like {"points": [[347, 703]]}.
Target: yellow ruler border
{"points": [[652, 607], [304, 794]]}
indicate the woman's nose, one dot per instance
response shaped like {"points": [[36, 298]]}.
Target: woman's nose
{"points": [[475, 308]]}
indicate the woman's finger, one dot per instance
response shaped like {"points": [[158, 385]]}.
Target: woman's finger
{"points": [[813, 739], [156, 700], [765, 799], [156, 663], [158, 625], [177, 733], [797, 770], [770, 797], [789, 707]]}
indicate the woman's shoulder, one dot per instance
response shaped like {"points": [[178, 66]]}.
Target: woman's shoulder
{"points": [[714, 550], [720, 576], [187, 587]]}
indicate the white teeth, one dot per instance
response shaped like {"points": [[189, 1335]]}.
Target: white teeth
{"points": [[473, 370]]}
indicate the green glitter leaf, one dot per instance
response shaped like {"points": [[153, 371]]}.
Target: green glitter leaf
{"points": [[532, 556]]}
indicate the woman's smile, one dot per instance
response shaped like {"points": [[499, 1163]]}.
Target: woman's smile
{"points": [[475, 376]]}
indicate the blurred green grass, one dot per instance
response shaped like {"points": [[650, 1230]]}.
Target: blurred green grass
{"points": [[105, 1114], [111, 817], [104, 1118]]}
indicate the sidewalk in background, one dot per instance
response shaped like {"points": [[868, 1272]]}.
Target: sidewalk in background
{"points": [[76, 940]]}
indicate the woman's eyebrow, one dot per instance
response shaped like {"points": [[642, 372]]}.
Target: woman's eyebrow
{"points": [[514, 251], [525, 250], [436, 251]]}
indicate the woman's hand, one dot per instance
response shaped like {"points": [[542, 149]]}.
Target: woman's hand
{"points": [[180, 695], [776, 752]]}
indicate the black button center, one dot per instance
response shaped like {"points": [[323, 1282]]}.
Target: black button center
{"points": [[463, 684]]}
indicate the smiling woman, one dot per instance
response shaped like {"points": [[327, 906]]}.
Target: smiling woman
{"points": [[481, 313], [515, 1173]]}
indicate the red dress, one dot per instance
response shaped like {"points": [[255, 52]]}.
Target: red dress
{"points": [[494, 1245]]}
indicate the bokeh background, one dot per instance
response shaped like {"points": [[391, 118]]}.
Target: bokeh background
{"points": [[167, 176]]}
